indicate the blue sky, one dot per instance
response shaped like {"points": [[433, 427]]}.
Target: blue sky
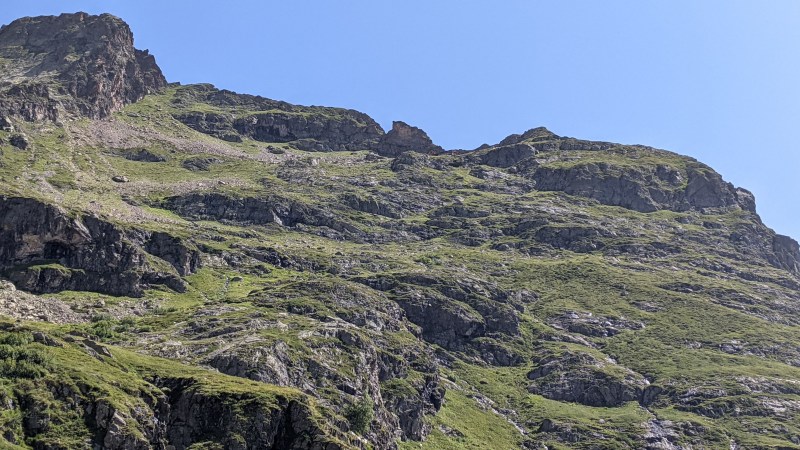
{"points": [[718, 80]]}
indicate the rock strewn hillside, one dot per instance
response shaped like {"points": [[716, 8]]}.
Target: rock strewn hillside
{"points": [[311, 281]]}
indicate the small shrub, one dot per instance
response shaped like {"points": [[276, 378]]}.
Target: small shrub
{"points": [[360, 415], [16, 339], [160, 311], [102, 317], [20, 359], [103, 329]]}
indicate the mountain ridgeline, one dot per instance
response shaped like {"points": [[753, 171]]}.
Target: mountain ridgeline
{"points": [[184, 267]]}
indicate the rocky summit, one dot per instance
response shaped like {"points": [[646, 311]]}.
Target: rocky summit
{"points": [[189, 267]]}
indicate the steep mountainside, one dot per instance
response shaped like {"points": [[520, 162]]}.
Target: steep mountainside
{"points": [[188, 267]]}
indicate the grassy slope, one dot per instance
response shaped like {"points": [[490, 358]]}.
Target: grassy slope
{"points": [[64, 166]]}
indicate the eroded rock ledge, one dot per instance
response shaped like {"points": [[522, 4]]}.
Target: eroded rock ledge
{"points": [[47, 249]]}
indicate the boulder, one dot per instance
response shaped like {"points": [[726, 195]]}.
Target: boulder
{"points": [[200, 163], [142, 155], [6, 125], [19, 141]]}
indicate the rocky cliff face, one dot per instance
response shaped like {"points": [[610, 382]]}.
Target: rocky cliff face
{"points": [[44, 249], [73, 62], [162, 410], [222, 270]]}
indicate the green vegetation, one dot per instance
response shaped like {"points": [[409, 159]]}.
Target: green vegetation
{"points": [[473, 280], [360, 415]]}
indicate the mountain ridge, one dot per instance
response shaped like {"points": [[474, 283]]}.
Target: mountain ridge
{"points": [[182, 256]]}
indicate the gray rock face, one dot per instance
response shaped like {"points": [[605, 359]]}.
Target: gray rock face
{"points": [[508, 155], [370, 205], [182, 416], [324, 131], [787, 253], [195, 416], [581, 239], [217, 125], [260, 211], [598, 182], [404, 138], [537, 134], [44, 249], [580, 378], [93, 60], [310, 128], [443, 321], [706, 189], [590, 325], [452, 313], [643, 191], [358, 336]]}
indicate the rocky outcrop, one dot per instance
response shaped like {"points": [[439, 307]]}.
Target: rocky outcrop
{"points": [[200, 163], [402, 382], [592, 325], [19, 141], [259, 211], [538, 134], [787, 253], [151, 409], [218, 125], [581, 378], [451, 313], [143, 155], [443, 321], [32, 101], [600, 182], [405, 138], [89, 58], [194, 415], [6, 124], [370, 205], [706, 189], [185, 258], [643, 190], [313, 129], [45, 249], [581, 239], [506, 155]]}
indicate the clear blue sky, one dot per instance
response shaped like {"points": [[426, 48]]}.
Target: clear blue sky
{"points": [[718, 80]]}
